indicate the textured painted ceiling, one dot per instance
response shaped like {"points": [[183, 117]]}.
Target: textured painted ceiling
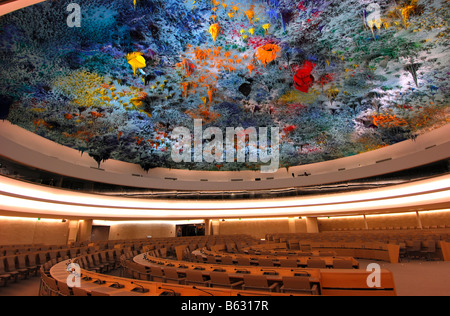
{"points": [[336, 78]]}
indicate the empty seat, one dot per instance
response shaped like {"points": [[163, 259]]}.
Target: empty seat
{"points": [[227, 260], [222, 279], [258, 282], [243, 261], [13, 269], [195, 277], [429, 250], [288, 263], [342, 264], [4, 276], [171, 276], [211, 259], [265, 262], [64, 289], [22, 264], [157, 274], [413, 248], [316, 264], [298, 285]]}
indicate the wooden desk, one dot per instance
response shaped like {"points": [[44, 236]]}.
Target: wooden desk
{"points": [[60, 274], [302, 261], [233, 271], [354, 283], [369, 250]]}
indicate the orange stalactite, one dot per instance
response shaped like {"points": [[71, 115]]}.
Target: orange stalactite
{"points": [[250, 14], [210, 93], [251, 67], [185, 86]]}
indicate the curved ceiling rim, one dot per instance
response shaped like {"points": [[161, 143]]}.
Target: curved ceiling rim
{"points": [[26, 148], [34, 191], [363, 199], [107, 215], [15, 5], [427, 200]]}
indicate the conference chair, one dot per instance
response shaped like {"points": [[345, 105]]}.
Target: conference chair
{"points": [[96, 259], [50, 285], [4, 276], [91, 265], [13, 269], [342, 264], [429, 250], [171, 276], [414, 248], [22, 264], [227, 260], [195, 277], [157, 274], [243, 261], [104, 261], [211, 259], [265, 262], [222, 279], [298, 285], [114, 263], [288, 263], [305, 247], [258, 282], [316, 264], [64, 289], [73, 252]]}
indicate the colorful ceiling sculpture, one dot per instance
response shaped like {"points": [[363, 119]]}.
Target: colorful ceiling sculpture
{"points": [[338, 78]]}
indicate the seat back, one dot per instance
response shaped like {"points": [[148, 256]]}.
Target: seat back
{"points": [[211, 259], [171, 272], [2, 265], [227, 260], [220, 278], [194, 275], [255, 280], [243, 261], [265, 262], [342, 264], [288, 263], [316, 263], [10, 263], [157, 271], [296, 283]]}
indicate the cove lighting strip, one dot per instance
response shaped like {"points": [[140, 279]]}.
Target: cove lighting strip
{"points": [[20, 197]]}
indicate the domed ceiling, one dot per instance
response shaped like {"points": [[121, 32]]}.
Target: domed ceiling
{"points": [[135, 81]]}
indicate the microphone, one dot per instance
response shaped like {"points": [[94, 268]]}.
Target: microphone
{"points": [[269, 272], [166, 293], [140, 288], [196, 288], [98, 281], [117, 285]]}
